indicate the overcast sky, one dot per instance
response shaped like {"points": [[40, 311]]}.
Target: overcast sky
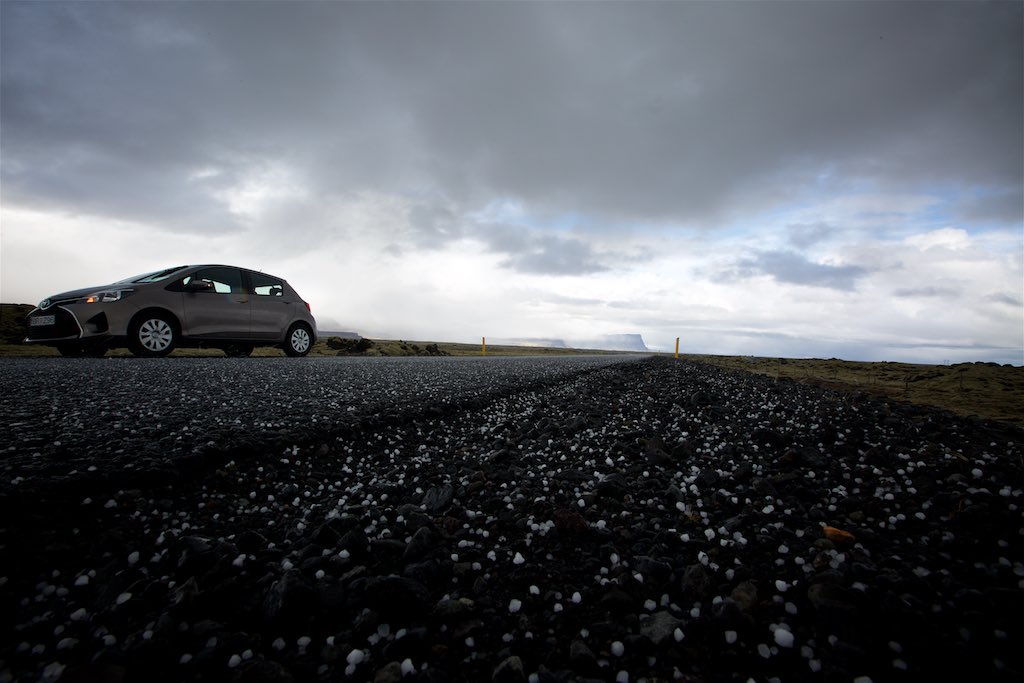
{"points": [[787, 179]]}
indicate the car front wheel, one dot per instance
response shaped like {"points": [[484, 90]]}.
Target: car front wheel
{"points": [[152, 335], [299, 340]]}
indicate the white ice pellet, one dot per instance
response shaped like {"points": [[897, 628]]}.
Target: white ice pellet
{"points": [[518, 559], [133, 558], [618, 648], [185, 658], [783, 638], [79, 614], [730, 637], [123, 598], [407, 667], [514, 605], [678, 635], [234, 661], [355, 657], [82, 580], [781, 586], [279, 644]]}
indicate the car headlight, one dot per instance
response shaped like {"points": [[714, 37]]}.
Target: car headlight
{"points": [[107, 296]]}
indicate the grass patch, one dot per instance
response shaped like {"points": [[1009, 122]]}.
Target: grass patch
{"points": [[987, 390]]}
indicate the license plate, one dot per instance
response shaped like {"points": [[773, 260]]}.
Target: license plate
{"points": [[41, 320]]}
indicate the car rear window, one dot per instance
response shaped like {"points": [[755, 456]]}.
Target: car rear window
{"points": [[266, 285]]}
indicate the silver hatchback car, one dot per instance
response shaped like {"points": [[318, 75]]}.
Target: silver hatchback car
{"points": [[216, 306]]}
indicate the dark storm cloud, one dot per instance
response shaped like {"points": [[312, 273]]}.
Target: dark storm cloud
{"points": [[525, 252], [793, 268], [678, 112], [1006, 298]]}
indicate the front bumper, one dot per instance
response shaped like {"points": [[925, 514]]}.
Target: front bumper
{"points": [[67, 323]]}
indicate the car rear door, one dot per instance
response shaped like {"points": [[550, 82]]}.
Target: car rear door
{"points": [[272, 306], [220, 313]]}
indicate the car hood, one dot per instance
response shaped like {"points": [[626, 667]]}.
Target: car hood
{"points": [[79, 293]]}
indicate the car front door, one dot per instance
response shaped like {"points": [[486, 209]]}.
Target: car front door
{"points": [[218, 312]]}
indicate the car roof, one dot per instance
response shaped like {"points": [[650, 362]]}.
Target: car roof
{"points": [[226, 265]]}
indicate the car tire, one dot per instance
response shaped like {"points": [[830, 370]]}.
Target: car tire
{"points": [[152, 335], [299, 340], [238, 350]]}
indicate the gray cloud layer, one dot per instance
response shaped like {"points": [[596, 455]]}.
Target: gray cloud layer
{"points": [[790, 267], [683, 112]]}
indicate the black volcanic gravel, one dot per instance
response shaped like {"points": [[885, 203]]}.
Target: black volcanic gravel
{"points": [[496, 519]]}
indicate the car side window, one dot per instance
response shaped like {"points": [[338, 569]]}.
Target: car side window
{"points": [[265, 285], [225, 280]]}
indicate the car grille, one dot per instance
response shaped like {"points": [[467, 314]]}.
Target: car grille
{"points": [[64, 325]]}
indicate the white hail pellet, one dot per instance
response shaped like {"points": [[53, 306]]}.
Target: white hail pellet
{"points": [[783, 638]]}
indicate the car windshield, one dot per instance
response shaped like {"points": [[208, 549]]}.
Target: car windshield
{"points": [[151, 277]]}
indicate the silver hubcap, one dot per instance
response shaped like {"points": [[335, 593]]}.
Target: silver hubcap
{"points": [[155, 335], [300, 340]]}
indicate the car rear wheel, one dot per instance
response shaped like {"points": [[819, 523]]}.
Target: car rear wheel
{"points": [[299, 340], [152, 335]]}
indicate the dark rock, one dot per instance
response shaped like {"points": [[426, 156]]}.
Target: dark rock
{"points": [[438, 498], [696, 581], [289, 600], [659, 627], [582, 659], [509, 671], [389, 673], [397, 595], [264, 671], [424, 541]]}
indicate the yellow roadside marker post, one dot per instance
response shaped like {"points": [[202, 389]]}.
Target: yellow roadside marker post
{"points": [[677, 347], [483, 346]]}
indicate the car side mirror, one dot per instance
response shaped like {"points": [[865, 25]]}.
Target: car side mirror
{"points": [[199, 286]]}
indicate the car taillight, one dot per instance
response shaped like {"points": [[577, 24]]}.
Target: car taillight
{"points": [[307, 306]]}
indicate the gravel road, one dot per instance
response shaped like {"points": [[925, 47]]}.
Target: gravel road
{"points": [[592, 518], [80, 421]]}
